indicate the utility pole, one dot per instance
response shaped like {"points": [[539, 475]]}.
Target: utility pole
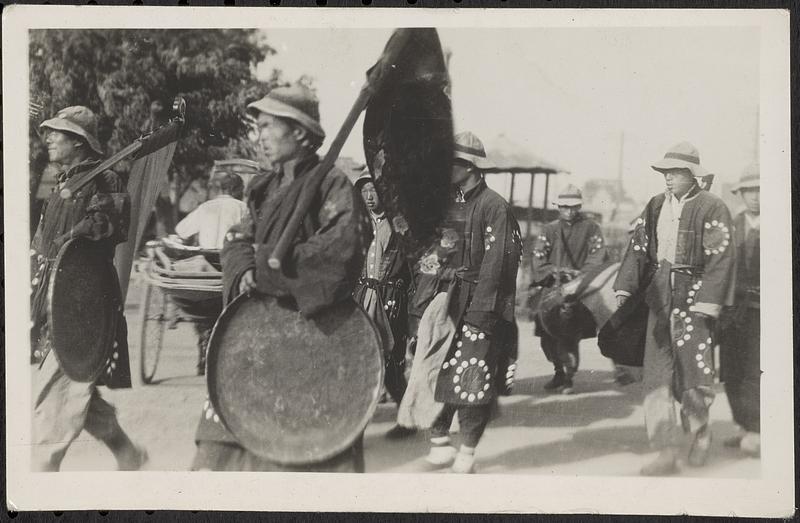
{"points": [[620, 190]]}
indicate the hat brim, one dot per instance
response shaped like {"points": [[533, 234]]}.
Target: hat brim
{"points": [[363, 179], [60, 124], [568, 202], [277, 108], [671, 164], [477, 161], [751, 184]]}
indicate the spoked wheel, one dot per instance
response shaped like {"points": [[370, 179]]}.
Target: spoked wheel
{"points": [[153, 316]]}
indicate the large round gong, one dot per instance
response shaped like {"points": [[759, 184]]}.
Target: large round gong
{"points": [[294, 390], [83, 307]]}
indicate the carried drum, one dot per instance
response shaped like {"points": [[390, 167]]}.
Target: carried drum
{"points": [[83, 308], [294, 390]]}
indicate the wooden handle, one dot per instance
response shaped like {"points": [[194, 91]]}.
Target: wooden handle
{"points": [[307, 196]]}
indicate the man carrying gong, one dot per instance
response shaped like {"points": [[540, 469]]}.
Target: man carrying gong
{"points": [[320, 270]]}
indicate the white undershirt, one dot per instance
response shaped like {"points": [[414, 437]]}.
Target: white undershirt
{"points": [[668, 224]]}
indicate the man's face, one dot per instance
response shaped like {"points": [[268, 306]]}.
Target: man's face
{"points": [[461, 173], [752, 199], [279, 140], [371, 198], [62, 148], [569, 212], [679, 181]]}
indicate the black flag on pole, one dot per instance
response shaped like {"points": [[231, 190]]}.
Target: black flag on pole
{"points": [[408, 133]]}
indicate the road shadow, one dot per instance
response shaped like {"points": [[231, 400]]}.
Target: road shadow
{"points": [[585, 382], [582, 445], [589, 444], [597, 398], [571, 411], [187, 380]]}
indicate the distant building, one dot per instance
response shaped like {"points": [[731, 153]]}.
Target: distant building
{"points": [[607, 198]]}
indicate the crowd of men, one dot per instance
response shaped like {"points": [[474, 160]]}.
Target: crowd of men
{"points": [[694, 266]]}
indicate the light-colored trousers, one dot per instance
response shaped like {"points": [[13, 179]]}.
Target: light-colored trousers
{"points": [[660, 366], [62, 409]]}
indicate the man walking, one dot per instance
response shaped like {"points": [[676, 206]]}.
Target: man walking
{"points": [[682, 258], [382, 292], [483, 266], [98, 214], [320, 270], [565, 248], [740, 329]]}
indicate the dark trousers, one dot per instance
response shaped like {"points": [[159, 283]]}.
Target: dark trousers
{"points": [[740, 349], [203, 329], [472, 420], [563, 354], [394, 378]]}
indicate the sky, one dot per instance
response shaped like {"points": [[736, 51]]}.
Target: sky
{"points": [[568, 95]]}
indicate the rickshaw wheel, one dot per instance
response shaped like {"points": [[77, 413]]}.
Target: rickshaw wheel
{"points": [[153, 316]]}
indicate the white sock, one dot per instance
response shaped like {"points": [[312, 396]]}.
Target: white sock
{"points": [[440, 441]]}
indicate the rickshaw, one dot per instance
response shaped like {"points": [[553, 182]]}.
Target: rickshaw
{"points": [[180, 283]]}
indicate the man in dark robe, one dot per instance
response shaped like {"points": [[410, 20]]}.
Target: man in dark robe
{"points": [[483, 243], [320, 270], [740, 329], [565, 248], [99, 212], [682, 258], [382, 292]]}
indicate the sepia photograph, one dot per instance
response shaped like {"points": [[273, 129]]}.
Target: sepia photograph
{"points": [[470, 260]]}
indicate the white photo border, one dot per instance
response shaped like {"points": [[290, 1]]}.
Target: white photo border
{"points": [[771, 495]]}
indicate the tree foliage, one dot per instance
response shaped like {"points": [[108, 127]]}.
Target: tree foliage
{"points": [[121, 74]]}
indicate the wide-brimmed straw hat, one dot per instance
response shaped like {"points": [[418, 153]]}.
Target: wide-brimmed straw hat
{"points": [[295, 102], [749, 179], [469, 148], [569, 197], [681, 156], [78, 120]]}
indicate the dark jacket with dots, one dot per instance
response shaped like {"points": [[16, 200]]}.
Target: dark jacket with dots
{"points": [[487, 251], [684, 295], [564, 245]]}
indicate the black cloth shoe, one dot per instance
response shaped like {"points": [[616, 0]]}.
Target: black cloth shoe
{"points": [[733, 442], [557, 382], [400, 432], [568, 387]]}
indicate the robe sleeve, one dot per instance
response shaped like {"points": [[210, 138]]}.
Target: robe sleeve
{"points": [[237, 255], [719, 255], [637, 260], [542, 250], [501, 246], [325, 268], [108, 213], [597, 248]]}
